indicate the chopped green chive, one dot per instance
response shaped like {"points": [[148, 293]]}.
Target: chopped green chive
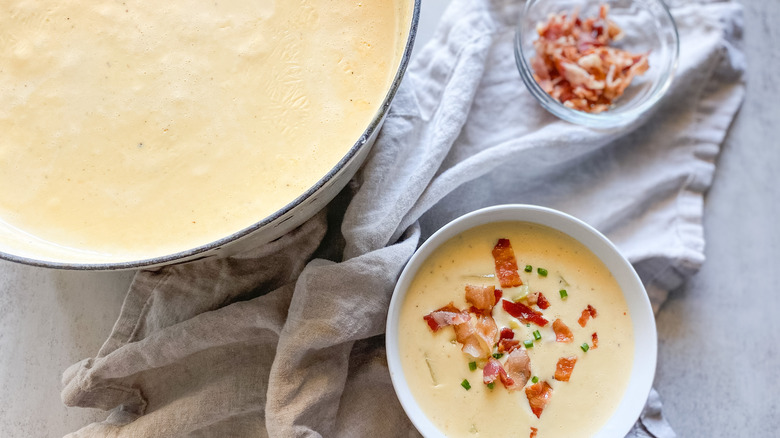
{"points": [[528, 324], [542, 271], [564, 294], [498, 355], [465, 383], [534, 379], [491, 385], [537, 335], [529, 268], [528, 343], [585, 347], [472, 366]]}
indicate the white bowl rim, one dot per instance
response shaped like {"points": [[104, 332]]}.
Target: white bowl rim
{"points": [[643, 319]]}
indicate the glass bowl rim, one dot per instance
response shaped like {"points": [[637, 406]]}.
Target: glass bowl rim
{"points": [[606, 119]]}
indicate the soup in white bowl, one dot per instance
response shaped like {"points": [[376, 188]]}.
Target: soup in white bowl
{"points": [[504, 323]]}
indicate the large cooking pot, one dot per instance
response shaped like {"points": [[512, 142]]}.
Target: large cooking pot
{"points": [[285, 219]]}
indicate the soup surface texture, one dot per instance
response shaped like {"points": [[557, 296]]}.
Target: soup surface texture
{"points": [[448, 381], [134, 129]]}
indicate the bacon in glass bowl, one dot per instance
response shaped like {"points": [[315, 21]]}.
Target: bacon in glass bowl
{"points": [[575, 64]]}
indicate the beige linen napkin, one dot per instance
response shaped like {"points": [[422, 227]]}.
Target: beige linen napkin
{"points": [[285, 340]]}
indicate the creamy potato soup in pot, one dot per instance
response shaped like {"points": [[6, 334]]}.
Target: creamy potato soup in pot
{"points": [[515, 329], [135, 129]]}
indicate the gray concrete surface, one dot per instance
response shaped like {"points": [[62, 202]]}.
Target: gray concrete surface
{"points": [[719, 349]]}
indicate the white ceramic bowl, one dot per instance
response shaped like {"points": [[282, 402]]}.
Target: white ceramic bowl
{"points": [[643, 320]]}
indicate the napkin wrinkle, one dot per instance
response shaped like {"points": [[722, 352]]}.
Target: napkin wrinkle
{"points": [[239, 338], [470, 161], [651, 422], [154, 302], [405, 169], [369, 395], [85, 387], [334, 305], [134, 307], [192, 336]]}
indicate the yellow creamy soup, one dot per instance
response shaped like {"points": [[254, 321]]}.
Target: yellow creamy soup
{"points": [[437, 368], [137, 128]]}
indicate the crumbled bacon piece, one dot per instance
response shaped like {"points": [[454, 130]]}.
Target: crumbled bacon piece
{"points": [[542, 302], [588, 313], [564, 368], [518, 367], [533, 432], [476, 311], [506, 264], [562, 332], [506, 333], [498, 293], [538, 396], [584, 318], [490, 371], [481, 297], [575, 65], [524, 313], [493, 370], [595, 338], [447, 315], [478, 335], [506, 344]]}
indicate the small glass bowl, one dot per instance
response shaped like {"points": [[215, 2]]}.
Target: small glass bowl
{"points": [[648, 26]]}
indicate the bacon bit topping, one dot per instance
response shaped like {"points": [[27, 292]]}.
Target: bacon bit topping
{"points": [[498, 294], [574, 64], [524, 313], [505, 342], [538, 396], [595, 338], [481, 297], [478, 335], [542, 302], [508, 345], [533, 432], [562, 332], [506, 333], [587, 314], [490, 371], [447, 315], [518, 367], [564, 368], [476, 311], [493, 370], [506, 264]]}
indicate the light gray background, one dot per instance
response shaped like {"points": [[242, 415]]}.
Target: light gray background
{"points": [[718, 352]]}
